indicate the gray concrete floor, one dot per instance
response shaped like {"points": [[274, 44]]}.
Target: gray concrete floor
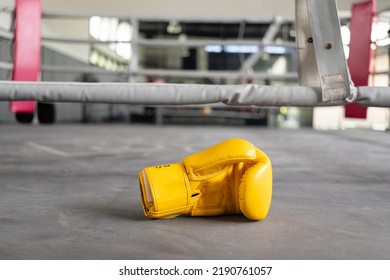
{"points": [[71, 192]]}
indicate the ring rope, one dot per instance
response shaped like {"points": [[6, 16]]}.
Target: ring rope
{"points": [[185, 94]]}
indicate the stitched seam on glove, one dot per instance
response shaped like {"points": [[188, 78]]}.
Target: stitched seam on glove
{"points": [[204, 177], [176, 212], [224, 163]]}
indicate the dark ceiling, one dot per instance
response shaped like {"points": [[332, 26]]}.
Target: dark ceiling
{"points": [[214, 30]]}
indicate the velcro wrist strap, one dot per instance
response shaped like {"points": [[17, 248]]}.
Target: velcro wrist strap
{"points": [[165, 190]]}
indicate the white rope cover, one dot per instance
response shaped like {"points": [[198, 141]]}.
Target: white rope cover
{"points": [[374, 96], [161, 94], [182, 94]]}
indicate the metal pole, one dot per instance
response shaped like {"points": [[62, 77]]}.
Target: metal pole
{"points": [[134, 60]]}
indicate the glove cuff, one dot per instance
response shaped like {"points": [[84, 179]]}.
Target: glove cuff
{"points": [[165, 191]]}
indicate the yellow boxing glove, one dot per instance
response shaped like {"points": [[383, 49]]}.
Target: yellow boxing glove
{"points": [[231, 177]]}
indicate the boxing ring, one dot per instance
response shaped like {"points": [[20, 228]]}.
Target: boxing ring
{"points": [[77, 195], [324, 77]]}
